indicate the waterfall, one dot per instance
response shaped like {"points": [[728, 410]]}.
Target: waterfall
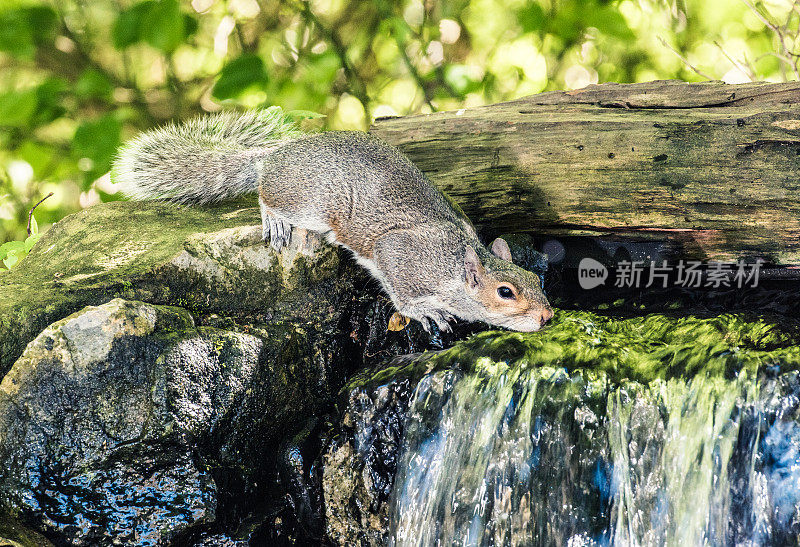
{"points": [[507, 455]]}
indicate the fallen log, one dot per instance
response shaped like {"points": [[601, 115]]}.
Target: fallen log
{"points": [[712, 169]]}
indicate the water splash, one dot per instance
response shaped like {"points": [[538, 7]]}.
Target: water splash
{"points": [[488, 460], [671, 443], [532, 454]]}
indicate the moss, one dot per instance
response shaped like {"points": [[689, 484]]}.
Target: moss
{"points": [[640, 349], [15, 534], [205, 259]]}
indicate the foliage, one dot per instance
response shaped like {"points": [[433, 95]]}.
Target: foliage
{"points": [[11, 252], [77, 77]]}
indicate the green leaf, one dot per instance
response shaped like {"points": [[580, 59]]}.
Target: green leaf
{"points": [[303, 115], [43, 22], [49, 95], [21, 29], [608, 20], [97, 140], [397, 27], [32, 239], [11, 259], [16, 36], [164, 26], [458, 76], [34, 227], [17, 107], [93, 84], [239, 75], [190, 24], [39, 156], [322, 71], [12, 246], [127, 28], [532, 18]]}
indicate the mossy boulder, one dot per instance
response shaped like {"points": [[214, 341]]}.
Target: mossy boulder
{"points": [[119, 422], [205, 259], [153, 359]]}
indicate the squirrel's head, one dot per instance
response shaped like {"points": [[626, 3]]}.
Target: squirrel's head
{"points": [[509, 296]]}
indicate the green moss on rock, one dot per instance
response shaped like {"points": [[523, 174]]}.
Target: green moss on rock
{"points": [[205, 259], [640, 348]]}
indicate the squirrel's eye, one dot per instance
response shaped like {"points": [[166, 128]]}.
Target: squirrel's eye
{"points": [[505, 292]]}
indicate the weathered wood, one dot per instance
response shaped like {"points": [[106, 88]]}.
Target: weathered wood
{"points": [[714, 168]]}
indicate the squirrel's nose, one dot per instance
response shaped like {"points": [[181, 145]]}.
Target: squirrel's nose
{"points": [[545, 315]]}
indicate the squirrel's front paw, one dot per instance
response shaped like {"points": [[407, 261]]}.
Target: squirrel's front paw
{"points": [[442, 320], [278, 232]]}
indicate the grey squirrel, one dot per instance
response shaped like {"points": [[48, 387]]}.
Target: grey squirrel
{"points": [[358, 191]]}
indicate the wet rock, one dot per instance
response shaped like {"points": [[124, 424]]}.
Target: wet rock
{"points": [[220, 540], [361, 461], [89, 445], [119, 422], [202, 353], [15, 534]]}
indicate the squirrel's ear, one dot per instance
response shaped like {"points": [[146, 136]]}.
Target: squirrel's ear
{"points": [[473, 268], [500, 249]]}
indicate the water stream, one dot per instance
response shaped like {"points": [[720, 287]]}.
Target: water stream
{"points": [[519, 453]]}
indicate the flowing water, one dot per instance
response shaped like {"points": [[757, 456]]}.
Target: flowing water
{"points": [[515, 452]]}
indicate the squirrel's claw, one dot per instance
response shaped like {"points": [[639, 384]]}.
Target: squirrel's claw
{"points": [[442, 319], [434, 332], [278, 232]]}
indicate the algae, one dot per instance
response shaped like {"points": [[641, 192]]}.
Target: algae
{"points": [[641, 349]]}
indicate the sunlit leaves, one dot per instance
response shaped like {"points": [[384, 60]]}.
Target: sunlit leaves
{"points": [[569, 19], [128, 27], [160, 23], [163, 26], [460, 79], [49, 96], [12, 252], [74, 75], [95, 144], [93, 84], [303, 115], [607, 19], [532, 17], [23, 28], [240, 75], [17, 107]]}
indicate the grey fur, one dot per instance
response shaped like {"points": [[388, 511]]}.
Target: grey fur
{"points": [[360, 192], [205, 159]]}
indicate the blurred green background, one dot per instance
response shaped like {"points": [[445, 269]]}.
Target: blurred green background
{"points": [[77, 78]]}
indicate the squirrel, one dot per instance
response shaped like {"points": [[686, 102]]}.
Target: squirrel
{"points": [[358, 191]]}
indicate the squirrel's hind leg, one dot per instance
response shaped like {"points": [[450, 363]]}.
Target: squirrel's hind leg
{"points": [[274, 231]]}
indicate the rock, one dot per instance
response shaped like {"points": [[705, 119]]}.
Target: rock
{"points": [[170, 358], [205, 259], [360, 463], [90, 445], [15, 534], [119, 422]]}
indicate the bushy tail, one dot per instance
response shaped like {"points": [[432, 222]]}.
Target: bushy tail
{"points": [[205, 159]]}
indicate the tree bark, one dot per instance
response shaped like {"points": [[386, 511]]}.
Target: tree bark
{"points": [[713, 169]]}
